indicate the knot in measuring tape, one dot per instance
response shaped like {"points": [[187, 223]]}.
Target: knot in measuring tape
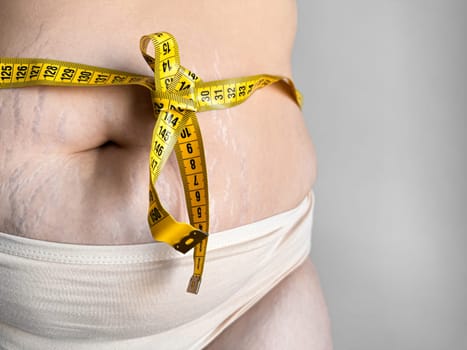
{"points": [[176, 93], [175, 86], [171, 100]]}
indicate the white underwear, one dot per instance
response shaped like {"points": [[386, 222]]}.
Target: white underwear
{"points": [[132, 297]]}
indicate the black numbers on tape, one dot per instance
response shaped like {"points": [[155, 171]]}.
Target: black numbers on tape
{"points": [[166, 48], [192, 164], [185, 133], [218, 95], [164, 133], [101, 78], [50, 72], [167, 82], [231, 92], [241, 90], [158, 107], [192, 75], [21, 72], [166, 67], [196, 183], [205, 96], [6, 72], [84, 76], [171, 119], [184, 86], [155, 215], [35, 70], [67, 74], [199, 212], [158, 148], [154, 164], [115, 79], [198, 196], [176, 108], [189, 148]]}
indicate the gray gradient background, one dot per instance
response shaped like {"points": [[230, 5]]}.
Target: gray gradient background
{"points": [[385, 101]]}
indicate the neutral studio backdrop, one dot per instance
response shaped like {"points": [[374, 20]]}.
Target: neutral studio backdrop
{"points": [[385, 86]]}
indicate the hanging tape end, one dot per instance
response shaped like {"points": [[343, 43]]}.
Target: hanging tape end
{"points": [[193, 285]]}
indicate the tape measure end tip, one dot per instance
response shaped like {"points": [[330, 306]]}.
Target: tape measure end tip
{"points": [[194, 284]]}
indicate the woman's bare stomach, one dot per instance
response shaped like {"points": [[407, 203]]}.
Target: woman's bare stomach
{"points": [[74, 161]]}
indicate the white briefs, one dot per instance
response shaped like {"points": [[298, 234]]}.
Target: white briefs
{"points": [[132, 297]]}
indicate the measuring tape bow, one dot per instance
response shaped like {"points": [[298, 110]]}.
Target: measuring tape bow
{"points": [[176, 93]]}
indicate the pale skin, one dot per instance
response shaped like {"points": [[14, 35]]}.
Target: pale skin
{"points": [[82, 150]]}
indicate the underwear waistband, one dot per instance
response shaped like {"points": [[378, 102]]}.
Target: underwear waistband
{"points": [[146, 252]]}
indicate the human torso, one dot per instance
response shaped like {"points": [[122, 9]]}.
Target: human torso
{"points": [[74, 161]]}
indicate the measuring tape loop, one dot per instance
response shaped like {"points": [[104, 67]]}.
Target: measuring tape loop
{"points": [[177, 94]]}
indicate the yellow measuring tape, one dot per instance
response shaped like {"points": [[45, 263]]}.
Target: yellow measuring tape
{"points": [[177, 93]]}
